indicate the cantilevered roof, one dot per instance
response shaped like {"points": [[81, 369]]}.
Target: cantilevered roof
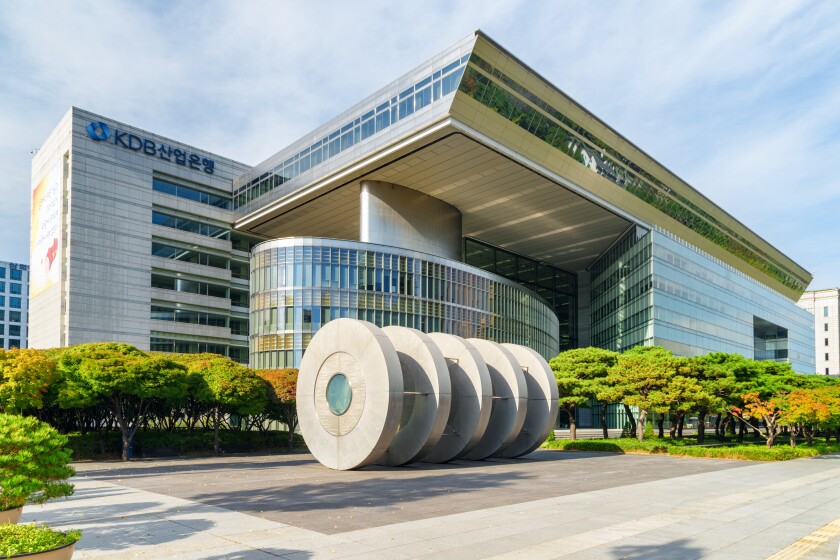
{"points": [[528, 167]]}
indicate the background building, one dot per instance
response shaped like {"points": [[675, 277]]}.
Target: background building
{"points": [[469, 196], [825, 306], [14, 304], [131, 241]]}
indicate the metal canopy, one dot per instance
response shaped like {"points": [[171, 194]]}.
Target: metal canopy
{"points": [[503, 202]]}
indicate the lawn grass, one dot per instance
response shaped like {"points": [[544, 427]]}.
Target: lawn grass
{"points": [[688, 447]]}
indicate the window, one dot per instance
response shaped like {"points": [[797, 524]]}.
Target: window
{"points": [[186, 255], [189, 286], [825, 327], [15, 288], [2, 272], [826, 356], [14, 316], [14, 302], [3, 314], [826, 371], [825, 311], [16, 274], [2, 286], [191, 194], [826, 342], [190, 226], [14, 343], [14, 330], [186, 316], [2, 331]]}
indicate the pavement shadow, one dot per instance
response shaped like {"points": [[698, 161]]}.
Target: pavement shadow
{"points": [[86, 514], [679, 549], [121, 531], [261, 553], [367, 493], [155, 467]]}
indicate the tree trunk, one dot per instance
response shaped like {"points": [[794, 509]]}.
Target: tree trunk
{"points": [[792, 433], [640, 425], [216, 432], [701, 426], [730, 424], [126, 445], [672, 429], [742, 429], [572, 427], [808, 432], [631, 420], [606, 432], [660, 422], [680, 425], [290, 425], [717, 425]]}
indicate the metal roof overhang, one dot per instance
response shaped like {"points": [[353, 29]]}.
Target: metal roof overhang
{"points": [[504, 199]]}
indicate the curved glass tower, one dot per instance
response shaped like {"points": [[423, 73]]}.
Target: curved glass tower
{"points": [[300, 283]]}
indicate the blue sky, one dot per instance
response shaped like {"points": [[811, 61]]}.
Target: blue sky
{"points": [[740, 99]]}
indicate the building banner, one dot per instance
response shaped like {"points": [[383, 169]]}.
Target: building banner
{"points": [[45, 236]]}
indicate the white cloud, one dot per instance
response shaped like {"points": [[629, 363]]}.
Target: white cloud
{"points": [[738, 98]]}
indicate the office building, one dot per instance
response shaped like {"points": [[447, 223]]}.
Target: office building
{"points": [[825, 307], [14, 304], [469, 196]]}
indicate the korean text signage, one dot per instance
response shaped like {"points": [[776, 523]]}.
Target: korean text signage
{"points": [[101, 132]]}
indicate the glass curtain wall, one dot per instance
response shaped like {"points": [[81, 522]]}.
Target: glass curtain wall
{"points": [[556, 286], [299, 284], [622, 295]]}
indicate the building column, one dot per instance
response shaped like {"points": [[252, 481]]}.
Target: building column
{"points": [[401, 217]]}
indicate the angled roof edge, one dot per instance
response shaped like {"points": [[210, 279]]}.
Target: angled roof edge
{"points": [[481, 35], [388, 91]]}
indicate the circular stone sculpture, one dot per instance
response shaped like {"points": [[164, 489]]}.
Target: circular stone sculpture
{"points": [[542, 401], [348, 423], [510, 400], [472, 393], [426, 398]]}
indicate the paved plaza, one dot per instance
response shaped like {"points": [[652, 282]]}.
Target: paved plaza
{"points": [[548, 505]]}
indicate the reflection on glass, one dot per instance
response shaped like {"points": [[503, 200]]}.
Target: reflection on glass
{"points": [[339, 394]]}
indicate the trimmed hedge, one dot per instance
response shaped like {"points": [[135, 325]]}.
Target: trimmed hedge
{"points": [[686, 448], [154, 443]]}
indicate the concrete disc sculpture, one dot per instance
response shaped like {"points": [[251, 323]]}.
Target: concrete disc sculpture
{"points": [[349, 394], [542, 401], [510, 400], [426, 398], [472, 393]]}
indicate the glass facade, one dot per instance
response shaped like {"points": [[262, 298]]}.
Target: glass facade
{"points": [[651, 288], [622, 299], [191, 193], [492, 88], [381, 115], [702, 305], [298, 284], [556, 286]]}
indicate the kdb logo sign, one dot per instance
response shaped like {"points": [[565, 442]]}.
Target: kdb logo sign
{"points": [[98, 130]]}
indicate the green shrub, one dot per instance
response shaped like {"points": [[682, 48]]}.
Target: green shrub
{"points": [[107, 445], [688, 448], [27, 538], [649, 428], [551, 436], [34, 463]]}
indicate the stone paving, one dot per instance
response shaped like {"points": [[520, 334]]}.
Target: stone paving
{"points": [[552, 505]]}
